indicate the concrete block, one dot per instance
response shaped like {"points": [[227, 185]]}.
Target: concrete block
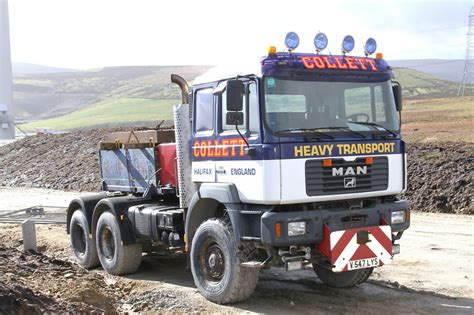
{"points": [[28, 230]]}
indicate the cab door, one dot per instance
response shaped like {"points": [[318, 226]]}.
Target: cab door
{"points": [[236, 164], [204, 135]]}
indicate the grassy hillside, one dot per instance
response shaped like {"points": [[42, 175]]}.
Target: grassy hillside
{"points": [[111, 113], [47, 95], [447, 69], [120, 95], [420, 85]]}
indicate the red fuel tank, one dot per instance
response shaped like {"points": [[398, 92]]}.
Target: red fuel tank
{"points": [[166, 153]]}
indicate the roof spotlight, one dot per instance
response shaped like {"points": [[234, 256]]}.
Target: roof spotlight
{"points": [[370, 46], [292, 40], [320, 41], [348, 44]]}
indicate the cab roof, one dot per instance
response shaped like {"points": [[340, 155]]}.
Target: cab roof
{"points": [[301, 63]]}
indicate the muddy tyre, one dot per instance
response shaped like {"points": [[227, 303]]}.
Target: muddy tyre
{"points": [[215, 264], [83, 247], [115, 258], [345, 279]]}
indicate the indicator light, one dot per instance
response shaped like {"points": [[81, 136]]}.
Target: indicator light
{"points": [[379, 56], [327, 163], [369, 160], [278, 230], [272, 50]]}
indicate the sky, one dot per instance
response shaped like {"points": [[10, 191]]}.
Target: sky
{"points": [[83, 34]]}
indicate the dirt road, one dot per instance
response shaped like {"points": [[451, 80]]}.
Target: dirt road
{"points": [[433, 274]]}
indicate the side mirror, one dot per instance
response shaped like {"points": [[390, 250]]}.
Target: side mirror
{"points": [[235, 92], [234, 118], [397, 94]]}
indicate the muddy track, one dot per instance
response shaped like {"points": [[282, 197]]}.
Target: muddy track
{"points": [[35, 283]]}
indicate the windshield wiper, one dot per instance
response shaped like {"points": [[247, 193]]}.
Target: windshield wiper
{"points": [[374, 125], [344, 128], [305, 131]]}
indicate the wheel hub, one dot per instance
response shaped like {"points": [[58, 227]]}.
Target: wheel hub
{"points": [[107, 246], [214, 266], [212, 260]]}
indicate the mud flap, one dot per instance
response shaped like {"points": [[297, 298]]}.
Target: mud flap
{"points": [[358, 248]]}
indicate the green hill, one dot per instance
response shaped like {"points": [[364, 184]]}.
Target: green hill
{"points": [[110, 113], [420, 85], [124, 96], [47, 95]]}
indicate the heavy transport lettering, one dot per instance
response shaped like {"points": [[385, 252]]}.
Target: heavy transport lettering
{"points": [[343, 149]]}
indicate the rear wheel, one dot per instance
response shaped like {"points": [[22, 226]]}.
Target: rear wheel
{"points": [[83, 246], [344, 279], [115, 258], [215, 264]]}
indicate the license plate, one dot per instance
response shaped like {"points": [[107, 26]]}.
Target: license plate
{"points": [[363, 263]]}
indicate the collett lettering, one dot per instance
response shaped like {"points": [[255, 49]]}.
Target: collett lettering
{"points": [[339, 62], [230, 147]]}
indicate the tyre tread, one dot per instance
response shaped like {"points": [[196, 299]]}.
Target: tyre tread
{"points": [[346, 279]]}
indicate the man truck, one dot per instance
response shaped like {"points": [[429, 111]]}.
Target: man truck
{"points": [[297, 163]]}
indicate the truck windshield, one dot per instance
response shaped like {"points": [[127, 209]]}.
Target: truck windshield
{"points": [[301, 106]]}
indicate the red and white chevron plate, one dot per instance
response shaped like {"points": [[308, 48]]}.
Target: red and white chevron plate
{"points": [[357, 248]]}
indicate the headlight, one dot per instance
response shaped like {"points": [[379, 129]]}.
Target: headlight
{"points": [[296, 228], [398, 217], [370, 46], [292, 40], [348, 44], [320, 41]]}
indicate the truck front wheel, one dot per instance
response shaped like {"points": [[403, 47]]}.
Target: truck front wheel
{"points": [[344, 279], [215, 264], [83, 246], [115, 258]]}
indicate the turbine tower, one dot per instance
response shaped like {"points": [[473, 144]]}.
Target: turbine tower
{"points": [[468, 75], [7, 127]]}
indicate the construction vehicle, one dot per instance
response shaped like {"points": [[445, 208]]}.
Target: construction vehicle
{"points": [[296, 163]]}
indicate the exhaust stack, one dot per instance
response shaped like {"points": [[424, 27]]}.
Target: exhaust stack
{"points": [[7, 127], [181, 82]]}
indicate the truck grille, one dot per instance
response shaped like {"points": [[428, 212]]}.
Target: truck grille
{"points": [[346, 177]]}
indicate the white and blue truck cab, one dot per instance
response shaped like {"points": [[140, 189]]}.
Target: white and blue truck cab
{"points": [[299, 162]]}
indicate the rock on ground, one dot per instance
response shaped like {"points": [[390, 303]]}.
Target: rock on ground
{"points": [[440, 176]]}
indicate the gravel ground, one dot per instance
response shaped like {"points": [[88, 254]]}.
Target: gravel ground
{"points": [[440, 176], [432, 275]]}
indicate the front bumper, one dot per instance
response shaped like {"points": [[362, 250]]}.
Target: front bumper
{"points": [[336, 219]]}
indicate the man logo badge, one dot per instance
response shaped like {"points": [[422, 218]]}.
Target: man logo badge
{"points": [[349, 182]]}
